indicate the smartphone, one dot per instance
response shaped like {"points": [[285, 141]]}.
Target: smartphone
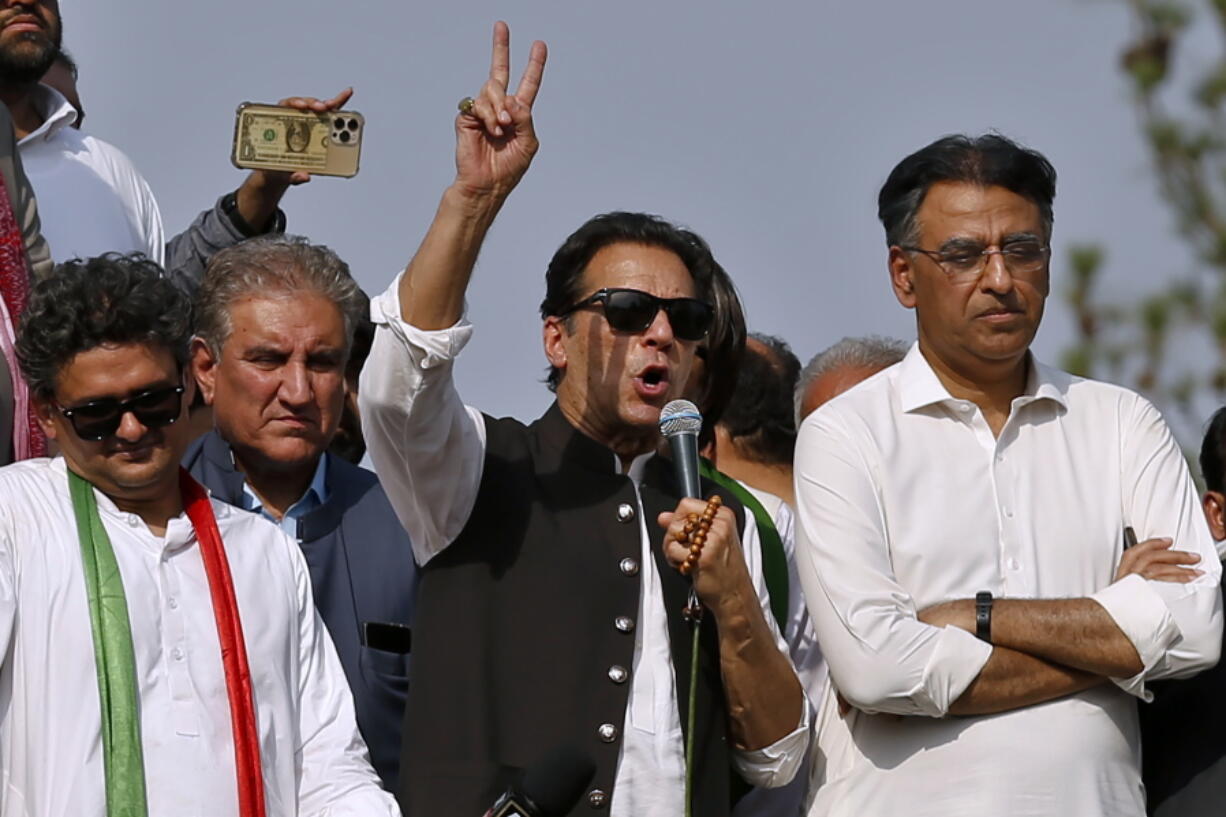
{"points": [[270, 137]]}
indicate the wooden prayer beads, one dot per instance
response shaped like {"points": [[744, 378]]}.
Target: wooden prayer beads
{"points": [[695, 531]]}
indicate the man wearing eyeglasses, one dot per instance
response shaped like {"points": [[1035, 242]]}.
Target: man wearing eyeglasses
{"points": [[160, 650], [549, 612], [964, 518]]}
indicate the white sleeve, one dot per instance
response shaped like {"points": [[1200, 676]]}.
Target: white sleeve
{"points": [[801, 640], [336, 777], [775, 765], [8, 583], [427, 446], [150, 220], [1175, 628], [881, 657]]}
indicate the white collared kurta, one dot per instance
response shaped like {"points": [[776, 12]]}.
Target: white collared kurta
{"points": [[314, 760], [906, 499]]}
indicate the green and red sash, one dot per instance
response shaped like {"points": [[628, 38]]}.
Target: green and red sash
{"points": [[123, 763]]}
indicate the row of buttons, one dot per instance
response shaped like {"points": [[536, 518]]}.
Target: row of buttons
{"points": [[607, 732]]}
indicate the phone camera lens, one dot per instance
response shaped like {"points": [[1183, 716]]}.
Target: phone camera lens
{"points": [[353, 124], [344, 137], [339, 123]]}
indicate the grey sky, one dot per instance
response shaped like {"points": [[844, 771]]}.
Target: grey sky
{"points": [[766, 127]]}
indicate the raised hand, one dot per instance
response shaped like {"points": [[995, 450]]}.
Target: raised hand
{"points": [[308, 103], [262, 190], [496, 139]]}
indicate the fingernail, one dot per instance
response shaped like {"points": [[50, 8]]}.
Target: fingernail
{"points": [[504, 117], [497, 131]]}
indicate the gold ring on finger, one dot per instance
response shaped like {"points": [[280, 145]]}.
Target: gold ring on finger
{"points": [[466, 105]]}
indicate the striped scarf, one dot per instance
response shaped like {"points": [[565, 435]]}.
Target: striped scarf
{"points": [[122, 758], [28, 438]]}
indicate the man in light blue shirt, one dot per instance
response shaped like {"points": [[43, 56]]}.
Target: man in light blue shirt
{"points": [[316, 495]]}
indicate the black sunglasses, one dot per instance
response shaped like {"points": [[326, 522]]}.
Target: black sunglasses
{"points": [[100, 419], [632, 310]]}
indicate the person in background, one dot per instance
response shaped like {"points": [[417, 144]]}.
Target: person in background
{"points": [[25, 257], [349, 444], [755, 435], [275, 320], [1183, 757], [845, 364], [92, 198]]}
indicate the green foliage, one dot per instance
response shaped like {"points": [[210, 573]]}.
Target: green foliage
{"points": [[1131, 341]]}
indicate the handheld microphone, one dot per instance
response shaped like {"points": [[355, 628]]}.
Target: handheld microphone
{"points": [[550, 787], [680, 422]]}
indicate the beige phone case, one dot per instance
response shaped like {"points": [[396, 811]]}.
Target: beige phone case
{"points": [[269, 137]]}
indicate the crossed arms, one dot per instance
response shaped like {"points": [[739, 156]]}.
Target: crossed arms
{"points": [[1159, 617]]}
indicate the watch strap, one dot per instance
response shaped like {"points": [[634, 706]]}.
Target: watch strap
{"points": [[983, 616]]}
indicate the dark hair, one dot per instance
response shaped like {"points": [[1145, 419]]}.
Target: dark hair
{"points": [[759, 417], [83, 304], [564, 277], [990, 160], [1213, 451], [722, 352], [65, 59], [274, 266], [363, 338]]}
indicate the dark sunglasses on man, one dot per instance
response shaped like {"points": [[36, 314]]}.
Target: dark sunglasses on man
{"points": [[632, 310], [99, 419]]}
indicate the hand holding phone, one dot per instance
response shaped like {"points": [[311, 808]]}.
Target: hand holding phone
{"points": [[290, 139]]}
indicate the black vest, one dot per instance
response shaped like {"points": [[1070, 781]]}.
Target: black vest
{"points": [[525, 627]]}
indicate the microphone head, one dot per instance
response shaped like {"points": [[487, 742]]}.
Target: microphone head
{"points": [[680, 417], [555, 782]]}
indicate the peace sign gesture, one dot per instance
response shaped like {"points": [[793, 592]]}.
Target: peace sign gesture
{"points": [[495, 136]]}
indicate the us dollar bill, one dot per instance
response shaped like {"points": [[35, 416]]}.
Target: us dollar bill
{"points": [[283, 141]]}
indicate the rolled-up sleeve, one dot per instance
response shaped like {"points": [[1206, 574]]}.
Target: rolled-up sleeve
{"points": [[881, 657], [426, 445], [1175, 628]]}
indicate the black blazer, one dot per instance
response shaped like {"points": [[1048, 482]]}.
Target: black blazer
{"points": [[364, 581]]}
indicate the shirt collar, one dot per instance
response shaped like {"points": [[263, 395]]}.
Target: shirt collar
{"points": [[638, 466], [315, 495], [919, 386], [56, 110]]}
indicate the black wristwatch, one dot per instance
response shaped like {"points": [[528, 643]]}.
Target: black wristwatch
{"points": [[983, 616]]}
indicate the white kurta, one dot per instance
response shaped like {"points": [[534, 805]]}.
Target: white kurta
{"points": [[314, 760], [91, 198], [906, 499]]}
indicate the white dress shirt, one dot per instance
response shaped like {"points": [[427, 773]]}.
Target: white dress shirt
{"points": [[91, 198], [429, 451], [314, 760], [906, 499]]}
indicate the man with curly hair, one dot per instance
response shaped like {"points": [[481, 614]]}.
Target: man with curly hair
{"points": [[129, 683]]}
